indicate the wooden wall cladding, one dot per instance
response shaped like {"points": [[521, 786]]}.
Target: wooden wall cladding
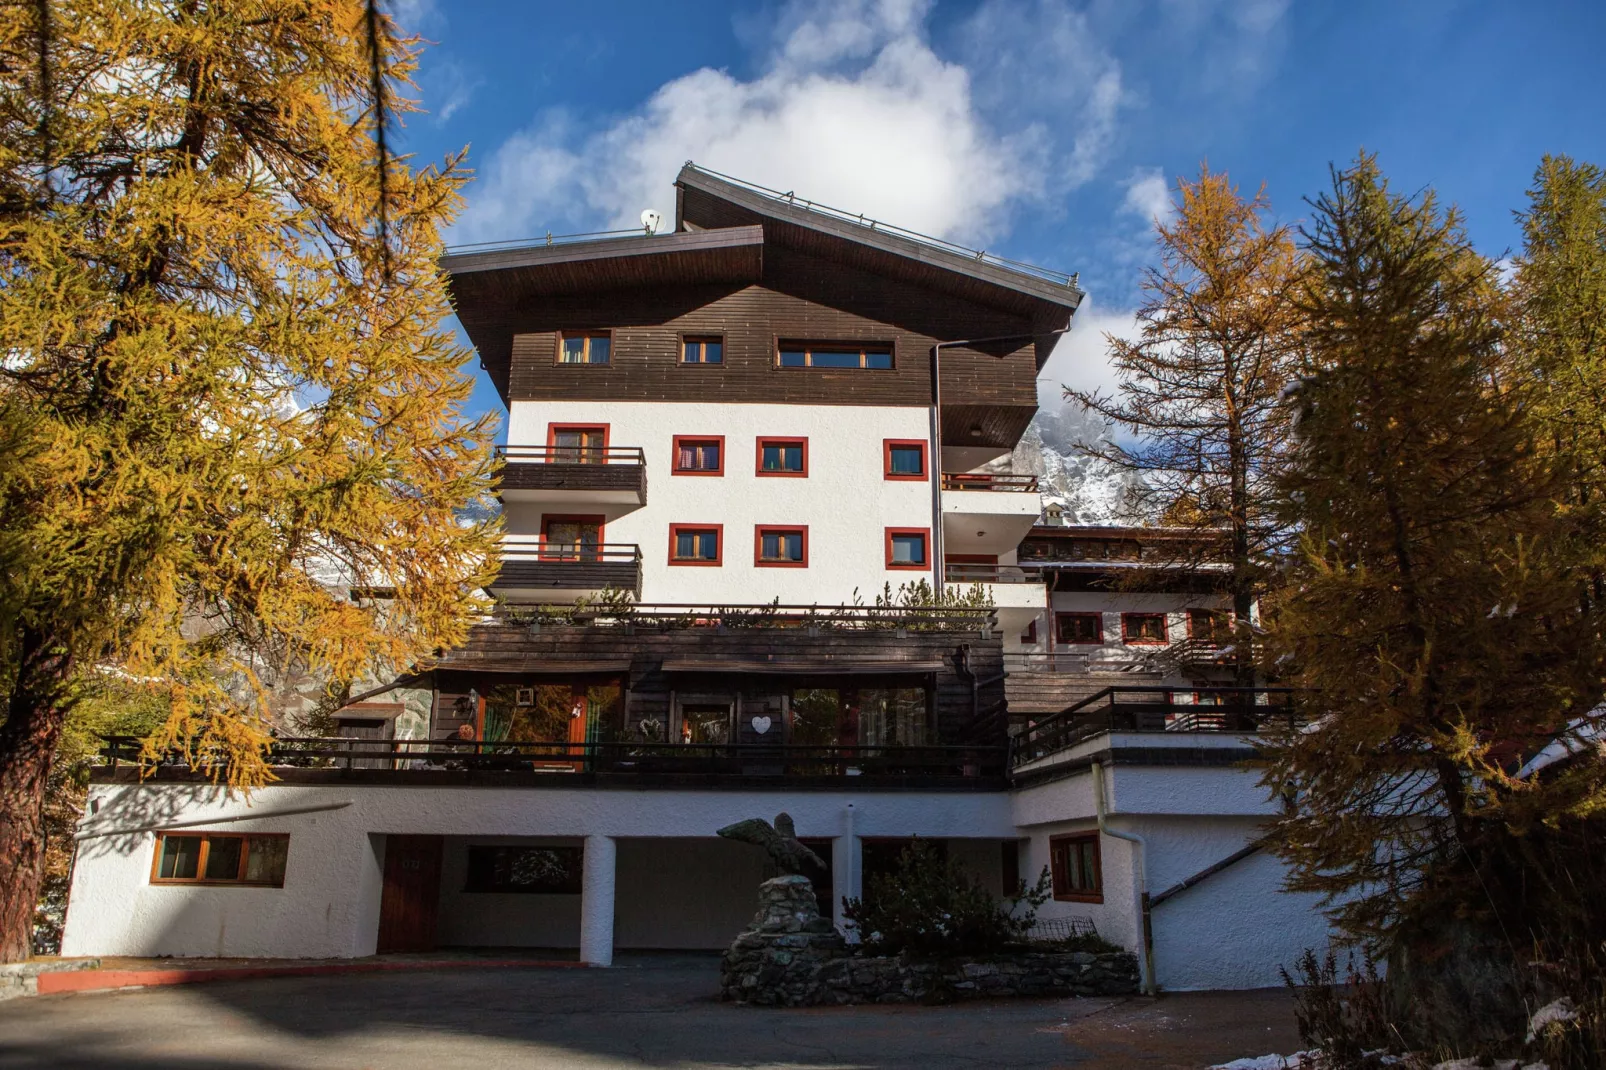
{"points": [[802, 297]]}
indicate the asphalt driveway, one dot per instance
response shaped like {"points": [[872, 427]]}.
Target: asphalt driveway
{"points": [[648, 1012]]}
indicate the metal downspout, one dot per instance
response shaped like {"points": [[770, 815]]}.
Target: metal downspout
{"points": [[1140, 881]]}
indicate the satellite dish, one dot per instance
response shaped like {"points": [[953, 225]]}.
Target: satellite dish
{"points": [[651, 220]]}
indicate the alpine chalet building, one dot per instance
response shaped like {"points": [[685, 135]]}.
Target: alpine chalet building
{"points": [[742, 456]]}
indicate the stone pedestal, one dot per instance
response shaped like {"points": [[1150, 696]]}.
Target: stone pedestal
{"points": [[775, 960]]}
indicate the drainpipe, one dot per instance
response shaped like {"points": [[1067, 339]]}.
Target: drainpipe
{"points": [[937, 567], [1140, 881]]}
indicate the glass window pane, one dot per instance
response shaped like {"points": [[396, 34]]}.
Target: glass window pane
{"points": [[223, 858], [793, 358], [909, 549], [877, 360], [692, 353], [828, 359], [265, 858], [771, 548], [907, 460], [713, 352], [180, 857], [600, 345], [792, 458], [709, 542], [574, 350], [772, 459], [793, 547], [685, 544]]}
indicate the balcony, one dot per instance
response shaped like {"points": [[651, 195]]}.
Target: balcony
{"points": [[1017, 591], [574, 475], [1237, 711], [550, 764], [537, 571], [987, 512]]}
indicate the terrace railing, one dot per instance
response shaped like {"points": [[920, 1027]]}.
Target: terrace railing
{"points": [[1233, 710], [999, 481], [811, 618], [626, 759], [992, 574], [572, 454]]}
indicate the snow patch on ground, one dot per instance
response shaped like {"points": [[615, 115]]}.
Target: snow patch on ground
{"points": [[1272, 1062]]}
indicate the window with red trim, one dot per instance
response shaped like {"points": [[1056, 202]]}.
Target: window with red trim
{"points": [[1210, 625], [1137, 628], [571, 536], [699, 455], [909, 548], [778, 546], [578, 443], [903, 458], [696, 544], [783, 457], [1078, 872], [1073, 628]]}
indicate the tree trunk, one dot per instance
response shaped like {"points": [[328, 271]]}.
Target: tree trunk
{"points": [[35, 712]]}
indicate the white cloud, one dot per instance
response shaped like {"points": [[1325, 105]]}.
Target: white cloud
{"points": [[853, 108], [1148, 196], [1081, 358]]}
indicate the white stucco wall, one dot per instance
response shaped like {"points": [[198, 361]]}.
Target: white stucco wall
{"points": [[1110, 605], [846, 501], [329, 905], [1232, 930]]}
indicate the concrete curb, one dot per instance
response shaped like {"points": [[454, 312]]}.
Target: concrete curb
{"points": [[92, 979]]}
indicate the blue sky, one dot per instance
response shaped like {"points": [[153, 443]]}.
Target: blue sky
{"points": [[1044, 130]]}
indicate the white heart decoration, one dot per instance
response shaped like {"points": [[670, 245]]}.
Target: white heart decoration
{"points": [[761, 725]]}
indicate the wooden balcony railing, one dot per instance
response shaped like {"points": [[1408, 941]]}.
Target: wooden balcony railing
{"points": [[542, 565], [624, 760], [1236, 710], [989, 481], [767, 615]]}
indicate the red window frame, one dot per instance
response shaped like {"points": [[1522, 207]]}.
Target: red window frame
{"points": [[925, 534], [780, 440], [1126, 630], [1029, 636], [674, 456], [760, 530], [1058, 857], [599, 519], [1098, 629], [1224, 625], [719, 544], [553, 429], [886, 459]]}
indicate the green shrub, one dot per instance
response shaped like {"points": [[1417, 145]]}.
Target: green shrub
{"points": [[931, 907]]}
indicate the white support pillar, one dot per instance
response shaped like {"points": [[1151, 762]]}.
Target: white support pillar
{"points": [[846, 870], [596, 901]]}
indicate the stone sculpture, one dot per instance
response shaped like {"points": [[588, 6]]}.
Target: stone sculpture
{"points": [[789, 855]]}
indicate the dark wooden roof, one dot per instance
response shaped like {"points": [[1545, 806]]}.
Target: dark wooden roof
{"points": [[488, 287], [707, 201]]}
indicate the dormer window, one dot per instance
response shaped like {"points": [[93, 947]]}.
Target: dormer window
{"points": [[873, 355], [584, 347]]}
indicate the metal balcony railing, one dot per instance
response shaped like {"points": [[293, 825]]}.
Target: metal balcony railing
{"points": [[1235, 710], [992, 574], [1001, 481], [572, 454]]}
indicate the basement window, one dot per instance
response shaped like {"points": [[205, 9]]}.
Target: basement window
{"points": [[875, 356], [220, 858], [1078, 873]]}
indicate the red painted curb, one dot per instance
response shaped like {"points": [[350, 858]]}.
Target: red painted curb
{"points": [[98, 980]]}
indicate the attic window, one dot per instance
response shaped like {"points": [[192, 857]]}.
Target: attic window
{"points": [[872, 355], [584, 347]]}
